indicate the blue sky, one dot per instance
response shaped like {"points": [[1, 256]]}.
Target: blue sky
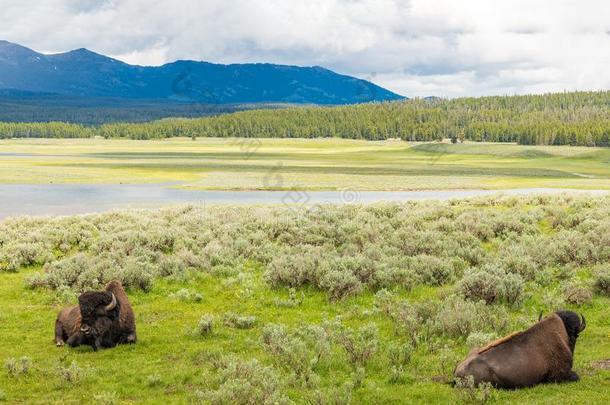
{"points": [[414, 47]]}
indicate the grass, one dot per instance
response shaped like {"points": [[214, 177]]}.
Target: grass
{"points": [[172, 364], [167, 350], [310, 164]]}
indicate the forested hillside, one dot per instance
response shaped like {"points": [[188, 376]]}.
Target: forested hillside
{"points": [[18, 106], [579, 118]]}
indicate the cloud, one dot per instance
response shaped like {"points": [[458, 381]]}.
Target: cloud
{"points": [[414, 47]]}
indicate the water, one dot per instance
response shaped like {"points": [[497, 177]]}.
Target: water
{"points": [[69, 199]]}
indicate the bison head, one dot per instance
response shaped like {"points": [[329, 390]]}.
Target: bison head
{"points": [[95, 308], [574, 325]]}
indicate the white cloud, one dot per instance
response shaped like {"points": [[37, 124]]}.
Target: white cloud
{"points": [[414, 47]]}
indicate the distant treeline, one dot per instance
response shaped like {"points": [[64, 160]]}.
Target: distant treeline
{"points": [[579, 118], [94, 111]]}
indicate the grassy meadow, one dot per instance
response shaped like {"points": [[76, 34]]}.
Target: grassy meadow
{"points": [[337, 305], [308, 164]]}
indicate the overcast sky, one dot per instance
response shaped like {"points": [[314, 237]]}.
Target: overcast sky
{"points": [[413, 47]]}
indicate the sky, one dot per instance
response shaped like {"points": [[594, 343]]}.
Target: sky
{"points": [[417, 48]]}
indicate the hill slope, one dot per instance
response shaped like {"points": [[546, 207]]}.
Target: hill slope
{"points": [[85, 73]]}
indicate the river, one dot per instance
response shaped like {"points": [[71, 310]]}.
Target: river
{"points": [[70, 199]]}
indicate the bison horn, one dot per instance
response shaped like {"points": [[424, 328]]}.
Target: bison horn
{"points": [[540, 316], [583, 323], [112, 305]]}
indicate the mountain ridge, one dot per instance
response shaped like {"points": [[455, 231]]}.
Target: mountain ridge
{"points": [[82, 72]]}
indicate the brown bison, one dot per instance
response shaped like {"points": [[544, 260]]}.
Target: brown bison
{"points": [[542, 353], [102, 319]]}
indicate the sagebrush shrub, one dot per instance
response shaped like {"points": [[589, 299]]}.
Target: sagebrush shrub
{"points": [[407, 321], [519, 263], [299, 352], [186, 295], [336, 395], [433, 270], [154, 380], [577, 293], [385, 301], [233, 320], [340, 284], [471, 393], [399, 355], [491, 284], [294, 299], [512, 288], [602, 280], [242, 382], [479, 339], [553, 301], [205, 326], [360, 345], [106, 398], [18, 367], [459, 318], [481, 285], [71, 374], [341, 250]]}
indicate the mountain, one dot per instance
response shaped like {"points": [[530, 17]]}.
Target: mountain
{"points": [[85, 73]]}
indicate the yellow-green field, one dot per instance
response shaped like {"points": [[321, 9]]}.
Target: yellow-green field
{"points": [[312, 164]]}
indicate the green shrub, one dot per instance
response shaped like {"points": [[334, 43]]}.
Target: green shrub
{"points": [[245, 383], [491, 284], [433, 270], [479, 339], [340, 284], [359, 345], [335, 395], [577, 293], [385, 301], [470, 393], [407, 321], [552, 301], [205, 327], [294, 300], [518, 263], [154, 380], [106, 398], [512, 288], [299, 352], [236, 321], [295, 267], [341, 250], [481, 285], [459, 318], [602, 280], [186, 295], [18, 367], [399, 357], [71, 374]]}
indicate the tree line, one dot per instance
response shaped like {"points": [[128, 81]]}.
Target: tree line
{"points": [[574, 118]]}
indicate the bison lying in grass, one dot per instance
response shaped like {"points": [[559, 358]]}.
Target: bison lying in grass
{"points": [[102, 319], [543, 353]]}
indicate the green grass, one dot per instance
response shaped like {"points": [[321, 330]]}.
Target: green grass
{"points": [[181, 364], [168, 350], [311, 164]]}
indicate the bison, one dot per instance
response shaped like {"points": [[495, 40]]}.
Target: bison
{"points": [[70, 330], [102, 319], [540, 354]]}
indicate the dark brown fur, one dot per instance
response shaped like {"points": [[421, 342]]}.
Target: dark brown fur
{"points": [[127, 318], [107, 328], [543, 353], [68, 324]]}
